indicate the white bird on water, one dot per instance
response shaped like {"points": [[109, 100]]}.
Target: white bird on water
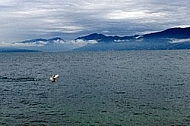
{"points": [[54, 77]]}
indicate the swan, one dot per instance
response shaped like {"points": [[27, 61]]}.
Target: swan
{"points": [[54, 77]]}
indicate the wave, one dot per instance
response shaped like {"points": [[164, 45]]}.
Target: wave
{"points": [[19, 79]]}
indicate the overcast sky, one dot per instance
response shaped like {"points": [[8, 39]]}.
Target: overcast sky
{"points": [[29, 19]]}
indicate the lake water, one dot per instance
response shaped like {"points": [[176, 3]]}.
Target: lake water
{"points": [[127, 88]]}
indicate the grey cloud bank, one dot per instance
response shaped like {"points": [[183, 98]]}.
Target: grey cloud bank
{"points": [[23, 19]]}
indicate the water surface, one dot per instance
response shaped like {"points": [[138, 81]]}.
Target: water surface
{"points": [[149, 88]]}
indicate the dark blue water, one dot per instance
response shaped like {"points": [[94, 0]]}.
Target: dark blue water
{"points": [[134, 88]]}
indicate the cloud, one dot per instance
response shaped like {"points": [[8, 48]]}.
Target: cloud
{"points": [[23, 19], [17, 44], [134, 15], [70, 43], [80, 43], [180, 40]]}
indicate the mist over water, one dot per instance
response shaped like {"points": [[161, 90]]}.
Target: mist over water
{"points": [[95, 88]]}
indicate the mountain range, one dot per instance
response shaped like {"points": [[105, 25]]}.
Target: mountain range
{"points": [[173, 38]]}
